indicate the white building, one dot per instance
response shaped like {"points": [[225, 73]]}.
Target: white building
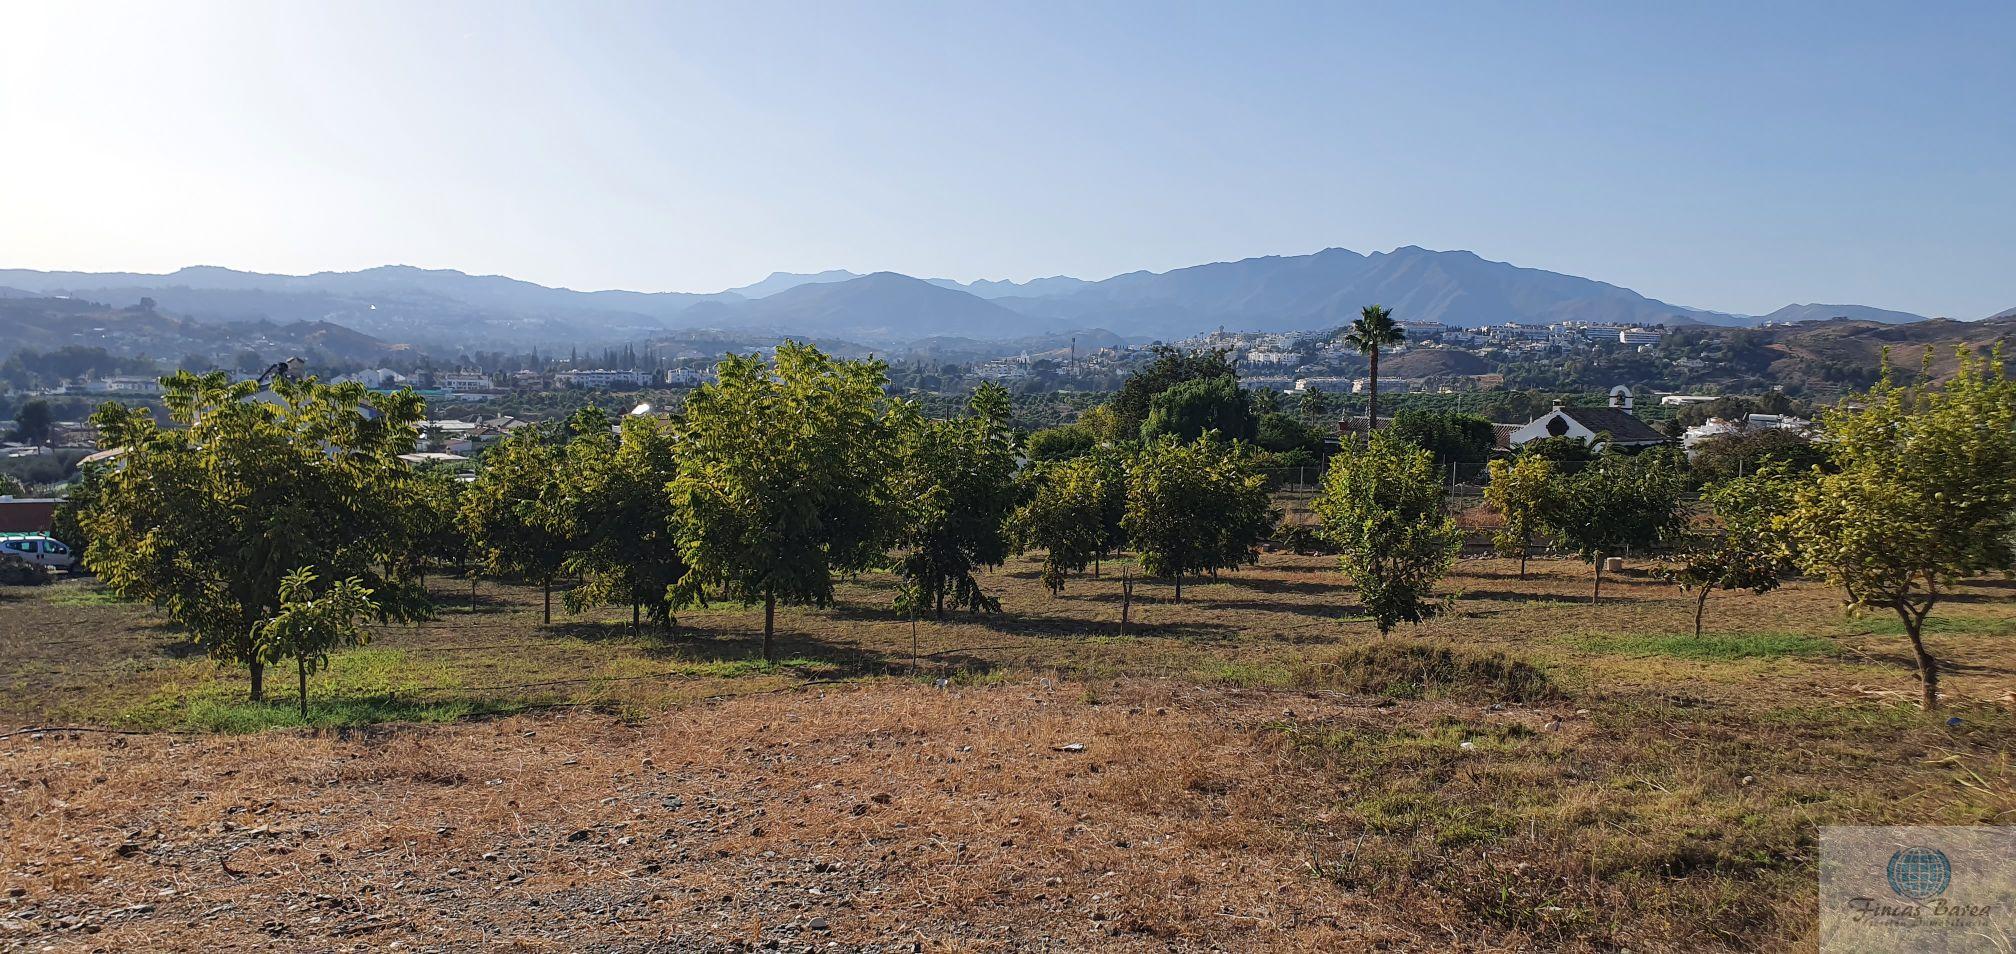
{"points": [[1269, 358], [382, 378], [1386, 385], [1638, 336], [130, 385], [1595, 426], [463, 382], [600, 378], [687, 377]]}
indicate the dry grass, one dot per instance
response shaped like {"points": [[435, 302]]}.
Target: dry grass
{"points": [[1260, 771]]}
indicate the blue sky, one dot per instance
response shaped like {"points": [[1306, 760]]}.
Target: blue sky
{"points": [[1727, 156]]}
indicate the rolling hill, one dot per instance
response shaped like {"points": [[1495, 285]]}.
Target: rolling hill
{"points": [[884, 306], [1852, 312]]}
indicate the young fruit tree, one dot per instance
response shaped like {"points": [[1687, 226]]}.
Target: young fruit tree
{"points": [[1195, 508], [1381, 505], [1615, 504], [310, 626], [782, 479], [1924, 497], [614, 504], [955, 487], [1065, 515], [512, 512], [206, 519], [1743, 549], [1519, 488]]}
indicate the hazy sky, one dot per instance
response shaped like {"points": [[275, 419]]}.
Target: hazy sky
{"points": [[1732, 157]]}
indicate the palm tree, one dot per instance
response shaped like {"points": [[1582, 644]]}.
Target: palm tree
{"points": [[1373, 330]]}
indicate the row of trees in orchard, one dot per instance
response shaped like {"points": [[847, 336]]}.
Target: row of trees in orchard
{"points": [[271, 524], [1908, 493]]}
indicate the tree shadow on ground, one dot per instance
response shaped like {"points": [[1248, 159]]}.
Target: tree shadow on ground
{"points": [[180, 648], [838, 660], [1906, 663], [1268, 585], [1966, 597], [1514, 596]]}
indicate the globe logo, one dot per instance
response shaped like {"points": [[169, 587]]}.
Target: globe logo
{"points": [[1919, 873]]}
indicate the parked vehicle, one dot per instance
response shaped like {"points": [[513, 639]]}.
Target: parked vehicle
{"points": [[40, 549]]}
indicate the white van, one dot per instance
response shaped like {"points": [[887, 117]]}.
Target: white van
{"points": [[38, 548]]}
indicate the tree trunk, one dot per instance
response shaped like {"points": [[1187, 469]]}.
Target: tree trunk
{"points": [[301, 663], [1597, 593], [1372, 395], [546, 593], [1524, 551], [258, 681], [1179, 587], [1928, 668], [1700, 603], [635, 614], [769, 625]]}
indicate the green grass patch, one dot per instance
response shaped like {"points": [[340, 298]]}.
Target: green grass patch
{"points": [[1405, 669], [1709, 647], [360, 686], [1250, 675], [83, 594], [1450, 823], [1888, 624]]}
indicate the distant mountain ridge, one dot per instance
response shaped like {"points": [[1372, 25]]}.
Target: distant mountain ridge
{"points": [[1269, 293], [1850, 312]]}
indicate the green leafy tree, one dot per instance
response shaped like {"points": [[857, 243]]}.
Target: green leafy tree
{"points": [[1191, 409], [1452, 437], [11, 487], [1059, 443], [205, 519], [783, 479], [1195, 507], [1317, 409], [1742, 550], [613, 504], [1282, 434], [1519, 489], [1561, 450], [34, 423], [1617, 503], [955, 487], [1736, 455], [1924, 497], [513, 511], [1069, 515], [1381, 505], [310, 626], [433, 534], [1372, 331], [1170, 367]]}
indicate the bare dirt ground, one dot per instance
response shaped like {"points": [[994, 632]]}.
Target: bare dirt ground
{"points": [[1250, 769]]}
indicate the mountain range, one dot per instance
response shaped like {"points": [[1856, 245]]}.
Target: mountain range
{"points": [[1271, 293]]}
